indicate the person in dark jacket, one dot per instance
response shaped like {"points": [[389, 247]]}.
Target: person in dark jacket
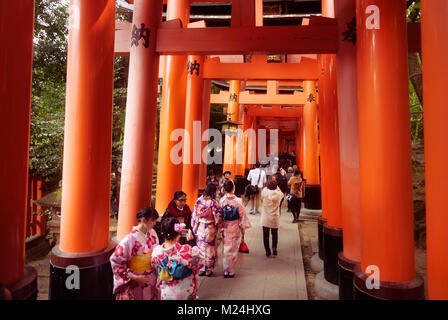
{"points": [[212, 178], [179, 209]]}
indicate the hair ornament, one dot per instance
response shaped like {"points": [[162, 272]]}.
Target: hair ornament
{"points": [[178, 227]]}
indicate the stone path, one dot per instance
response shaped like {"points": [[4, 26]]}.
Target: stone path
{"points": [[258, 277]]}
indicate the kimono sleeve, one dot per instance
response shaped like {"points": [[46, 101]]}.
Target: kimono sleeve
{"points": [[119, 262], [217, 213], [194, 217], [156, 258], [244, 220], [193, 257]]}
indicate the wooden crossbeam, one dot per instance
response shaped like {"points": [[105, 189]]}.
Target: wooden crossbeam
{"points": [[274, 111], [248, 40], [296, 99], [261, 70], [241, 40]]}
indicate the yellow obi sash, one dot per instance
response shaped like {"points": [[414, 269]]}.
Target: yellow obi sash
{"points": [[140, 263]]}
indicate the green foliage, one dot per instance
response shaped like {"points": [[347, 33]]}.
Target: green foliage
{"points": [[48, 91], [413, 12], [416, 117]]}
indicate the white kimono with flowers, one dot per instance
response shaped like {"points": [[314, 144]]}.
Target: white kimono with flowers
{"points": [[134, 244]]}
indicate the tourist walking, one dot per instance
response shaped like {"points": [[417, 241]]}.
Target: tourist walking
{"points": [[177, 265], [235, 222], [206, 222], [296, 194], [257, 178], [134, 278], [270, 199], [225, 177], [211, 178]]}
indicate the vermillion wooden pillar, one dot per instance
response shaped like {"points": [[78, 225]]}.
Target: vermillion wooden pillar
{"points": [[84, 238], [239, 146], [330, 168], [302, 142], [345, 11], [385, 150], [230, 141], [16, 58], [435, 68], [205, 126], [311, 156], [297, 140], [252, 144], [193, 113], [172, 114], [141, 113]]}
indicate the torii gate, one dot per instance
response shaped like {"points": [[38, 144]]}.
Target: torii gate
{"points": [[383, 133]]}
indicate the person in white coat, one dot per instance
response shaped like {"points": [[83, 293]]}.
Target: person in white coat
{"points": [[270, 215]]}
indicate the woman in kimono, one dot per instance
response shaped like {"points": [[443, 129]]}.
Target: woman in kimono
{"points": [[234, 226], [177, 265], [131, 260], [206, 222]]}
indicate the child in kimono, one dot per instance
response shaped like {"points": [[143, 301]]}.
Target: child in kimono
{"points": [[131, 260], [235, 222], [177, 265], [206, 222]]}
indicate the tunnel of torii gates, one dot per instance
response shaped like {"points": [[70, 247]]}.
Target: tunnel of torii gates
{"points": [[366, 226]]}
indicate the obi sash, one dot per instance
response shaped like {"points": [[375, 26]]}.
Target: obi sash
{"points": [[140, 263], [176, 272]]}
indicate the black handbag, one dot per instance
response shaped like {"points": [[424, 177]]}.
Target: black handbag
{"points": [[252, 190]]}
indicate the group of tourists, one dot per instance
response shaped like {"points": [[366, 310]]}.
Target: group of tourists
{"points": [[163, 260], [163, 257]]}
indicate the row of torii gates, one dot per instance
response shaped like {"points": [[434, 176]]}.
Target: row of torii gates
{"points": [[365, 151]]}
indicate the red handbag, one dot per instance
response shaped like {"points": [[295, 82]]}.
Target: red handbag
{"points": [[125, 295], [243, 247]]}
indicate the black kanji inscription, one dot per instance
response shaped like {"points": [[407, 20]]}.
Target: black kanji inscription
{"points": [[311, 98], [142, 33], [233, 97], [193, 66], [350, 33]]}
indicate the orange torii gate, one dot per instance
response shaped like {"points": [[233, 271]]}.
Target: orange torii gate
{"points": [[382, 136]]}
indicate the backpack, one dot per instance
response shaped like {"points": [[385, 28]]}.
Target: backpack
{"points": [[230, 213]]}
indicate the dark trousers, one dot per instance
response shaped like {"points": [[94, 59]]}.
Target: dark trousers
{"points": [[274, 232], [296, 205]]}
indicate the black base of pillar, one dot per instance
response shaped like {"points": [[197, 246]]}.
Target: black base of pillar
{"points": [[412, 290], [345, 276], [26, 287], [313, 197], [332, 246], [320, 232], [95, 275]]}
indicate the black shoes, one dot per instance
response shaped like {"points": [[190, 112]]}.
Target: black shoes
{"points": [[268, 254], [275, 252]]}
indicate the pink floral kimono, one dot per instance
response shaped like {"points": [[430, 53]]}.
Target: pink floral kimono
{"points": [[133, 256], [206, 222], [180, 288], [233, 233]]}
